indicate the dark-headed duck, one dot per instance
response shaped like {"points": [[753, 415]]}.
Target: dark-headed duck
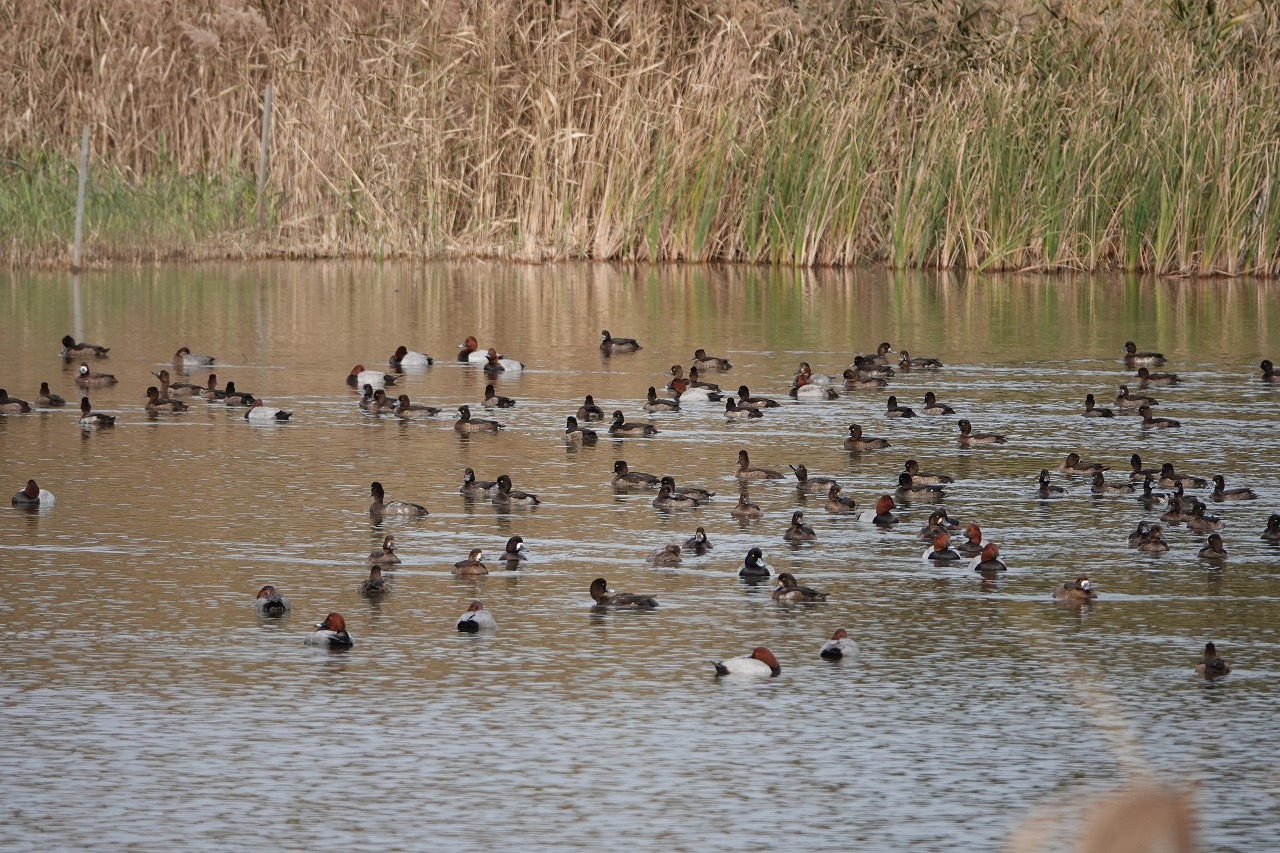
{"points": [[86, 378], [471, 565], [386, 555], [1272, 532], [378, 507], [625, 478], [609, 344], [1149, 420], [576, 434], [745, 508], [1073, 464], [472, 487], [933, 407], [1213, 549], [810, 485], [1222, 493], [1212, 666], [789, 589], [619, 427], [667, 555], [467, 424], [909, 490], [698, 543], [702, 361], [90, 419], [505, 496], [670, 499], [1147, 379], [906, 362], [71, 348], [747, 401], [893, 410], [1125, 400], [48, 399], [858, 442], [968, 436], [654, 403], [1079, 590], [798, 531], [184, 357], [1093, 410], [375, 584], [604, 598], [747, 472], [1133, 358], [589, 411], [494, 400], [836, 502], [753, 565], [733, 411]]}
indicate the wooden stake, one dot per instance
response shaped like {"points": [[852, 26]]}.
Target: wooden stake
{"points": [[84, 180]]}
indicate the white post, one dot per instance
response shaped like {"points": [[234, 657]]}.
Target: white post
{"points": [[262, 156], [84, 179]]}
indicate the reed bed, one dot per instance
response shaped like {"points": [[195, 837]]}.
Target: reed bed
{"points": [[987, 134]]}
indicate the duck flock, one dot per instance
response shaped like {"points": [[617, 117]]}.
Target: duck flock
{"points": [[1160, 488]]}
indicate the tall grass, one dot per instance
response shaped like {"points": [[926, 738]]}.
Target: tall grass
{"points": [[983, 134]]}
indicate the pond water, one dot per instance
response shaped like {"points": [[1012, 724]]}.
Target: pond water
{"points": [[145, 705]]}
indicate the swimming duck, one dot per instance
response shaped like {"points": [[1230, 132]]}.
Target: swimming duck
{"points": [[798, 531], [1222, 493], [156, 404], [804, 389], [1212, 666], [589, 411], [73, 349], [471, 565], [1140, 534], [933, 407], [86, 378], [1125, 400], [968, 436], [909, 490], [812, 378], [733, 411], [332, 632], [1093, 410], [469, 351], [1170, 478], [753, 565], [865, 368], [261, 413], [493, 400], [1213, 549], [405, 357], [375, 584], [33, 495], [1201, 523], [603, 598], [90, 418], [941, 551], [12, 405], [973, 542], [839, 646], [1148, 420], [668, 499], [271, 603], [747, 472], [857, 442], [1073, 464], [938, 522], [386, 555], [745, 508], [494, 363], [211, 392], [471, 487], [1100, 486], [506, 497], [745, 400], [1046, 488], [1272, 531], [181, 388], [694, 492], [359, 377], [883, 516], [47, 398], [698, 543], [514, 552], [609, 344], [1138, 472], [789, 589], [1133, 358], [686, 393], [398, 508], [893, 410], [1151, 498], [406, 408], [620, 428], [702, 361], [807, 485], [667, 555], [184, 358], [1079, 590], [232, 397], [837, 502], [760, 662], [466, 424], [679, 383], [855, 380], [1176, 514], [625, 478], [881, 355], [906, 362], [1147, 379], [989, 560], [1269, 371], [575, 434], [654, 403], [477, 619]]}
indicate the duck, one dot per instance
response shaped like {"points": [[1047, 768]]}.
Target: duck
{"points": [[406, 408], [702, 361], [71, 348], [989, 560], [745, 508], [1212, 666], [893, 410], [789, 589], [747, 401], [698, 543], [1269, 371], [1149, 420], [1148, 379], [1175, 514], [47, 398], [90, 419], [968, 436], [686, 393], [12, 405], [1154, 543], [941, 551], [747, 472], [1133, 358], [1222, 493], [625, 478], [1201, 523], [798, 531], [933, 407], [1272, 531], [575, 434], [667, 555], [883, 517], [471, 487], [807, 485], [86, 378], [33, 495], [973, 542], [856, 380], [1073, 464], [185, 358], [494, 400], [836, 502], [589, 411], [469, 351], [405, 357], [1125, 400], [906, 362], [865, 367], [857, 442], [909, 490], [1213, 549], [476, 620], [211, 392], [620, 428], [182, 389], [804, 389], [881, 355], [668, 499], [1137, 472], [603, 598], [514, 550], [734, 412], [609, 344], [1079, 590], [156, 404], [232, 397], [839, 647], [1093, 410], [466, 424], [332, 633], [260, 413], [654, 403], [754, 566], [1151, 498], [359, 377], [397, 508], [375, 584], [494, 363], [1169, 478], [760, 662], [694, 492], [471, 565], [1045, 488], [695, 378], [1140, 534], [386, 555], [1100, 486], [812, 378], [271, 603], [506, 497], [938, 522]]}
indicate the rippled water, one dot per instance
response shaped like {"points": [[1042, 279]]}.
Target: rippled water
{"points": [[144, 704]]}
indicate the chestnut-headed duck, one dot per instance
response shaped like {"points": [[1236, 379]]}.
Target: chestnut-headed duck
{"points": [[694, 492], [893, 410], [810, 485], [806, 389], [798, 531], [399, 508], [470, 352], [754, 566], [669, 499], [698, 543], [47, 398], [1100, 486], [90, 419], [933, 407], [760, 662], [1045, 488], [1213, 549], [1133, 358], [575, 434], [909, 490], [1170, 478], [625, 478], [359, 377], [1212, 666], [609, 344], [667, 555], [71, 348], [1093, 410], [839, 646], [1125, 400], [1149, 420], [589, 411], [941, 551], [855, 380], [86, 378], [406, 408], [968, 436], [184, 357], [747, 401], [1222, 493], [514, 551], [155, 403], [476, 488], [260, 413], [12, 405], [1138, 472], [745, 508], [375, 584], [477, 619], [906, 362], [179, 389], [812, 378], [1272, 532], [734, 412], [467, 424], [1269, 371], [858, 442], [494, 363], [702, 361], [505, 496], [881, 355], [271, 603], [405, 357], [973, 542], [332, 633], [1201, 523], [789, 589], [33, 495], [386, 555], [989, 560], [837, 502], [747, 472], [471, 565], [494, 400], [1073, 464], [884, 517], [604, 598], [1154, 542], [620, 428], [654, 403], [1147, 379], [1078, 590], [938, 522]]}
